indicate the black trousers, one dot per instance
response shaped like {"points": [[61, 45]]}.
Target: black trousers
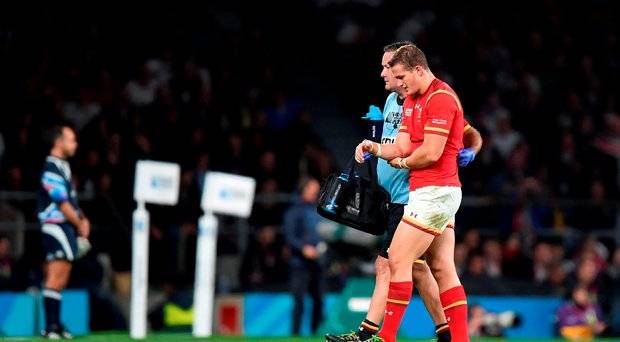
{"points": [[308, 279]]}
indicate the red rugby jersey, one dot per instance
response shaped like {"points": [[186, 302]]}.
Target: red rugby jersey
{"points": [[437, 111]]}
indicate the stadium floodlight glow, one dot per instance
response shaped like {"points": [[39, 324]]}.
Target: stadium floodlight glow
{"points": [[157, 183], [225, 194]]}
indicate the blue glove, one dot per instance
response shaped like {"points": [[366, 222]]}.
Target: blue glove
{"points": [[374, 113], [466, 156]]}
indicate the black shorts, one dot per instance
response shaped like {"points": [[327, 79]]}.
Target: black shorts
{"points": [[59, 241], [395, 214]]}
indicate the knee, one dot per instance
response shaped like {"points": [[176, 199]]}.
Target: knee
{"points": [[396, 265], [420, 272], [441, 266], [56, 282]]}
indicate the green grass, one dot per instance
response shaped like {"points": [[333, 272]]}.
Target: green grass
{"points": [[181, 337]]}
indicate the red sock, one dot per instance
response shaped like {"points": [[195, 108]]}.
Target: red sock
{"points": [[397, 301], [454, 302]]}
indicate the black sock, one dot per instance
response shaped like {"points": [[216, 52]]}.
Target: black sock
{"points": [[51, 302], [367, 329], [443, 333]]}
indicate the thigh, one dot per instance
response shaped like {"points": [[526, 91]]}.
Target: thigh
{"points": [[59, 242], [58, 267], [440, 256], [395, 214], [408, 244], [442, 247], [58, 271]]}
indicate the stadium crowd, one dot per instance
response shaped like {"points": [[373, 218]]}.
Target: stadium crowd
{"points": [[238, 94]]}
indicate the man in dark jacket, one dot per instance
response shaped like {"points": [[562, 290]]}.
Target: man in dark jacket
{"points": [[307, 250]]}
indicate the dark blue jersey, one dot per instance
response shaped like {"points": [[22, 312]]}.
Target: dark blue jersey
{"points": [[56, 188]]}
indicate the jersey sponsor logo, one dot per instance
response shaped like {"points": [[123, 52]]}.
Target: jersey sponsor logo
{"points": [[394, 118], [388, 140], [439, 121], [408, 111]]}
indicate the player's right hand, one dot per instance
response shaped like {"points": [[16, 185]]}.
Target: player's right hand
{"points": [[309, 252], [83, 229], [364, 146]]}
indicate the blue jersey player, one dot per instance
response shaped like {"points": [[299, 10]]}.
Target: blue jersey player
{"points": [[62, 222], [396, 182]]}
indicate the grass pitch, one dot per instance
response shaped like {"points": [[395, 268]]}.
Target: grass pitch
{"points": [[185, 337]]}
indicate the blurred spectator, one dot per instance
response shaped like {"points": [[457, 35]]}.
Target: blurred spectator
{"points": [[596, 213], [192, 90], [141, 91], [83, 110], [580, 319], [505, 139], [587, 276], [269, 211], [558, 280], [460, 258], [6, 264], [614, 268], [475, 278], [2, 148], [493, 258], [471, 241], [516, 264], [307, 254], [594, 250], [263, 264], [542, 262]]}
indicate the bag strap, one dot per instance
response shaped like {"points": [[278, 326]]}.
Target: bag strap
{"points": [[352, 165], [349, 170], [372, 172]]}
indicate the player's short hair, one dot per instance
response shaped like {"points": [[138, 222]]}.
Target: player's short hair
{"points": [[409, 56], [395, 46], [55, 133]]}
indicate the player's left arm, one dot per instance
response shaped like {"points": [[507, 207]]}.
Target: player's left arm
{"points": [[441, 110], [472, 140], [427, 154]]}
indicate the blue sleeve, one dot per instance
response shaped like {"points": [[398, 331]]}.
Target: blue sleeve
{"points": [[291, 220], [54, 185]]}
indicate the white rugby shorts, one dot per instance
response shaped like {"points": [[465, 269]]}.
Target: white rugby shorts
{"points": [[432, 208]]}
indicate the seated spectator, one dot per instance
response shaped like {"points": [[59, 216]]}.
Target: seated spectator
{"points": [[580, 319], [6, 264], [263, 265], [543, 261], [492, 252], [515, 263], [460, 258]]}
